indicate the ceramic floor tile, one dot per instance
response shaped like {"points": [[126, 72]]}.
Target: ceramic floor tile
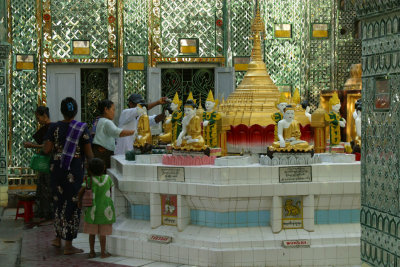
{"points": [[134, 262], [162, 264], [109, 259]]}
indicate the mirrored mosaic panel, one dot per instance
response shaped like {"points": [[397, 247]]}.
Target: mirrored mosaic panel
{"points": [[188, 19], [79, 20], [24, 91], [24, 35], [134, 82], [135, 27]]}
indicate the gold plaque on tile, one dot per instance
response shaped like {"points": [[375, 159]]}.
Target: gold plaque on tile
{"points": [[188, 46], [283, 30], [241, 63], [25, 62], [135, 62], [81, 47], [292, 212], [320, 31]]}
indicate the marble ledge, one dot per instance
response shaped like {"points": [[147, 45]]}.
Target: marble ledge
{"points": [[252, 174], [235, 190]]}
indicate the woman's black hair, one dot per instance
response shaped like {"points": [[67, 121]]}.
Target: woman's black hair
{"points": [[96, 166], [69, 107], [103, 104], [42, 110]]}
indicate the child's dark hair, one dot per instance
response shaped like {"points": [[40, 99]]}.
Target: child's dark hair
{"points": [[69, 107], [96, 166], [42, 110], [103, 104]]}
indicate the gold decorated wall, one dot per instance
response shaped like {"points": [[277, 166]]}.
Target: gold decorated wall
{"points": [[149, 33]]}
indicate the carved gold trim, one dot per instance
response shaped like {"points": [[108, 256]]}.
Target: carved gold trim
{"points": [[120, 14], [66, 61], [47, 37], [39, 45], [112, 28], [220, 60]]}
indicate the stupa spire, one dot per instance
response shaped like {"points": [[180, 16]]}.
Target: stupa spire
{"points": [[258, 34]]}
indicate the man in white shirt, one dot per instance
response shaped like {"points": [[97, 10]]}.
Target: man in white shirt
{"points": [[128, 121]]}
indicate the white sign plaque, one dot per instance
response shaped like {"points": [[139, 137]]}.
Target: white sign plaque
{"points": [[160, 239], [296, 243], [171, 174], [295, 174]]}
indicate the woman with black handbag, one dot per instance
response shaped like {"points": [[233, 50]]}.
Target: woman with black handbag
{"points": [[44, 200]]}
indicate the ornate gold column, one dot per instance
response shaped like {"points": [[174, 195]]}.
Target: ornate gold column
{"points": [[319, 125]]}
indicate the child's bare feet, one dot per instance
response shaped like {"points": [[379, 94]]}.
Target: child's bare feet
{"points": [[105, 255], [56, 242], [92, 254], [72, 250]]}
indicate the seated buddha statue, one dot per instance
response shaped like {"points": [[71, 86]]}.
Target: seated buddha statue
{"points": [[289, 134], [142, 134], [277, 116], [190, 137], [166, 136]]}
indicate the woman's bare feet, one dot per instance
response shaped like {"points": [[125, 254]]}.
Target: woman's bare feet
{"points": [[92, 254], [72, 250], [56, 242], [105, 255]]}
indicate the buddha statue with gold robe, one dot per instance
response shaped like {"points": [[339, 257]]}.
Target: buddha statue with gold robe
{"points": [[190, 137], [289, 134], [166, 136], [335, 120], [142, 134], [176, 118], [277, 116], [210, 119]]}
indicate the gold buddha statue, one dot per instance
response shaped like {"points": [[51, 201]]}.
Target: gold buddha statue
{"points": [[335, 120], [166, 136], [176, 118], [355, 81], [190, 137], [142, 134], [277, 116], [289, 134], [210, 119]]}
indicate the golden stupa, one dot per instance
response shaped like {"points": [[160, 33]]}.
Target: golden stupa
{"points": [[254, 99]]}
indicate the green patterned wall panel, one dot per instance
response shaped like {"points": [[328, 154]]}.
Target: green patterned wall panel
{"points": [[79, 20], [134, 82], [24, 31], [23, 123], [135, 27], [380, 220], [320, 52], [283, 56], [24, 83], [189, 19], [242, 12]]}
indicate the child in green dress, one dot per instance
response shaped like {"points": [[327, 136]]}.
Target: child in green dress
{"points": [[100, 216]]}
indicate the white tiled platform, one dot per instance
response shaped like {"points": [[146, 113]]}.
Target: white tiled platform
{"points": [[334, 186]]}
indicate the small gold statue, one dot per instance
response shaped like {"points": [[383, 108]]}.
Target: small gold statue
{"points": [[142, 134], [335, 120], [355, 81], [210, 118], [166, 136], [289, 134], [176, 118], [190, 137], [277, 116]]}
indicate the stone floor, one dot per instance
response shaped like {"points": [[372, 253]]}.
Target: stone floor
{"points": [[27, 245]]}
